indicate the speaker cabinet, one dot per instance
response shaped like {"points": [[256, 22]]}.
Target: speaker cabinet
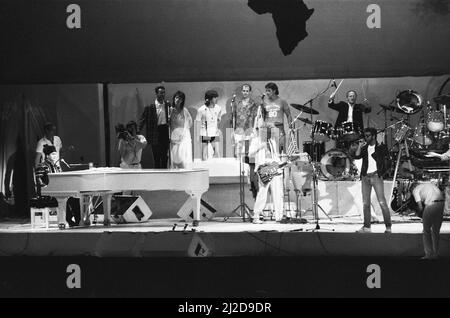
{"points": [[129, 209]]}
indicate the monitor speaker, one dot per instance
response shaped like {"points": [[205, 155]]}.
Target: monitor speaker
{"points": [[129, 209], [186, 212]]}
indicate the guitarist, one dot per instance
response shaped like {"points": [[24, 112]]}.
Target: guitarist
{"points": [[263, 150]]}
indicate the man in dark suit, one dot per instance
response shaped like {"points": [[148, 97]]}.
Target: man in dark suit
{"points": [[349, 111], [155, 119]]}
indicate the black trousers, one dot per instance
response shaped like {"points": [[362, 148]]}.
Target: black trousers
{"points": [[161, 150]]}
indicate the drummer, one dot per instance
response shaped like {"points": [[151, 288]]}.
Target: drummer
{"points": [[349, 111]]}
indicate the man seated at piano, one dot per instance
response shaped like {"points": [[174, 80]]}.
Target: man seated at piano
{"points": [[263, 150], [130, 147], [49, 165]]}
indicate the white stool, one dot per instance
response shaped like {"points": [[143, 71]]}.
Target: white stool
{"points": [[43, 217]]}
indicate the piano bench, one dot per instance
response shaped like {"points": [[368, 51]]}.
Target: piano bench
{"points": [[44, 217]]}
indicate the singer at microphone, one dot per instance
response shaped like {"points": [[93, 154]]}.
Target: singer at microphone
{"points": [[244, 118], [209, 117], [154, 126]]}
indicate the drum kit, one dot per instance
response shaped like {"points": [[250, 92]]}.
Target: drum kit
{"points": [[432, 133], [335, 164]]}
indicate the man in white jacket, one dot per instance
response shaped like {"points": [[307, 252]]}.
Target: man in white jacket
{"points": [[263, 150]]}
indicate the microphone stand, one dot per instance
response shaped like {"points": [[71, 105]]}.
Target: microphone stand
{"points": [[315, 203], [243, 207], [314, 198]]}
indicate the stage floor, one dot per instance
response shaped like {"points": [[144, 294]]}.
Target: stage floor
{"points": [[219, 238], [338, 224]]}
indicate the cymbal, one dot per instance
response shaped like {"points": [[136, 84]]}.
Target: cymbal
{"points": [[391, 108], [305, 109], [442, 99], [306, 121]]}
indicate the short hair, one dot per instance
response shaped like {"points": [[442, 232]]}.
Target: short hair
{"points": [[248, 85], [181, 95], [350, 91], [157, 88], [132, 123], [373, 131], [48, 149], [210, 94], [273, 87], [48, 126]]}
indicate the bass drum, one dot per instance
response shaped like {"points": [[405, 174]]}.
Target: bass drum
{"points": [[335, 164]]}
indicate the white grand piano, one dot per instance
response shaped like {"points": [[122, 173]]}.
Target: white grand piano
{"points": [[104, 182]]}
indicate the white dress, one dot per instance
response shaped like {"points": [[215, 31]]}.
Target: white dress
{"points": [[180, 140]]}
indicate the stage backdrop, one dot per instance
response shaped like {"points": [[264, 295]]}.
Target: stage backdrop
{"points": [[76, 110], [62, 41], [125, 106]]}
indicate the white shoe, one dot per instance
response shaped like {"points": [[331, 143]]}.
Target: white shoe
{"points": [[364, 230], [257, 221], [388, 230]]}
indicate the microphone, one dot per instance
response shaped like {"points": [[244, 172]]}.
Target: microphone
{"points": [[263, 96], [334, 84], [185, 226], [64, 162], [174, 227], [234, 97]]}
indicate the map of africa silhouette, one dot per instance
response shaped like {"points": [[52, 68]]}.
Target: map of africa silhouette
{"points": [[290, 18]]}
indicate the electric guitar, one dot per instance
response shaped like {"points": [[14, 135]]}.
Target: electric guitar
{"points": [[267, 171]]}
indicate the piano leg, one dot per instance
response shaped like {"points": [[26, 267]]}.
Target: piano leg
{"points": [[62, 203], [196, 197], [107, 208], [85, 210]]}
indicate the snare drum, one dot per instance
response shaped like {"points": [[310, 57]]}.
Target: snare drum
{"points": [[335, 164], [322, 131], [435, 121], [349, 131]]}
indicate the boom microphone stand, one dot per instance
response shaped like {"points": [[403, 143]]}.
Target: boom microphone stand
{"points": [[243, 207], [315, 203], [314, 198]]}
